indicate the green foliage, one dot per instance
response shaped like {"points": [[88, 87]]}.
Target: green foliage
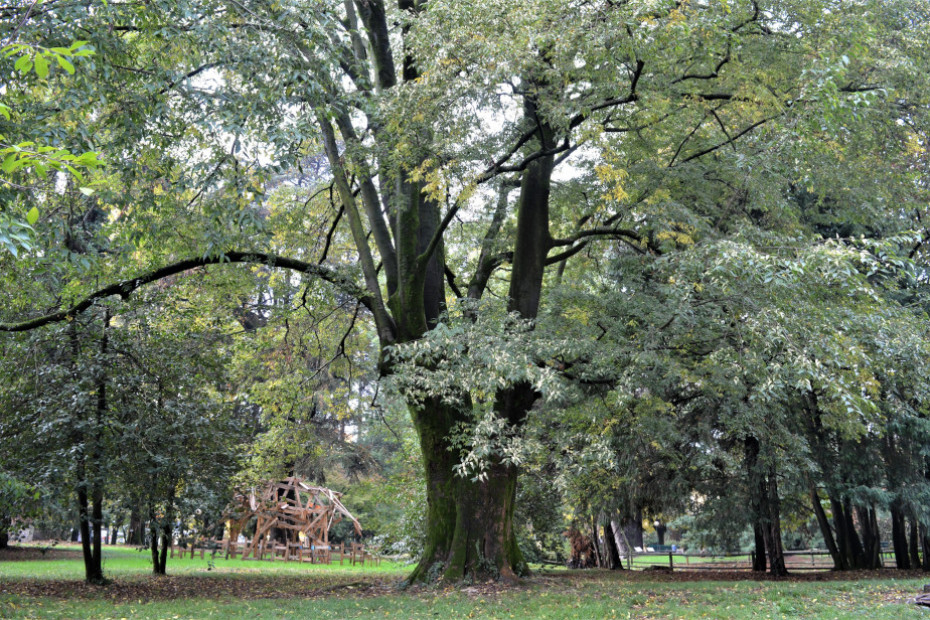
{"points": [[28, 156]]}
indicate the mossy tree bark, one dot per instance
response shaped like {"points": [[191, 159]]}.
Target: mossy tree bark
{"points": [[469, 523]]}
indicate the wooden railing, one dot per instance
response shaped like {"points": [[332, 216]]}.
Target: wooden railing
{"points": [[819, 560]]}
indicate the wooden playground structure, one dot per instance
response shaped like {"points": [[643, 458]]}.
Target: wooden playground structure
{"points": [[293, 520]]}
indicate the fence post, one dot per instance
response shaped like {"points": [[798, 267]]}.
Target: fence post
{"points": [[671, 562]]}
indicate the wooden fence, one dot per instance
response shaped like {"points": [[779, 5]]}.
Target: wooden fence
{"points": [[801, 560]]}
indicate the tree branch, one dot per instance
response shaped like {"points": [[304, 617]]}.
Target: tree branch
{"points": [[498, 167], [450, 279], [124, 288], [598, 232], [706, 76], [726, 142], [383, 320]]}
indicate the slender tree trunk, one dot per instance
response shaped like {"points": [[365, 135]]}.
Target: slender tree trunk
{"points": [[97, 449], [93, 570], [165, 543], [824, 523], [925, 548], [153, 540], [751, 451], [114, 531], [914, 546], [599, 560]]}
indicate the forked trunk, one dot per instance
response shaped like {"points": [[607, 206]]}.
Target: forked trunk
{"points": [[160, 540], [90, 523]]}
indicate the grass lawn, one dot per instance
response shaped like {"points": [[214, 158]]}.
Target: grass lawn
{"points": [[52, 588]]}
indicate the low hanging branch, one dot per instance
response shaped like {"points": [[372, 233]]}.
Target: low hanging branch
{"points": [[124, 288]]}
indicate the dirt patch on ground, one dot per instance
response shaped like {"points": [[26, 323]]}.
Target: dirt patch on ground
{"points": [[214, 587], [17, 553]]}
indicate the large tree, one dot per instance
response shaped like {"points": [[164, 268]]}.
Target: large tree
{"points": [[442, 126]]}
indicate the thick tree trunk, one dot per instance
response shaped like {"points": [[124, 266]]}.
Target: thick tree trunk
{"points": [[469, 523], [623, 545], [612, 546], [899, 537], [484, 543], [134, 535], [758, 555], [633, 529]]}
